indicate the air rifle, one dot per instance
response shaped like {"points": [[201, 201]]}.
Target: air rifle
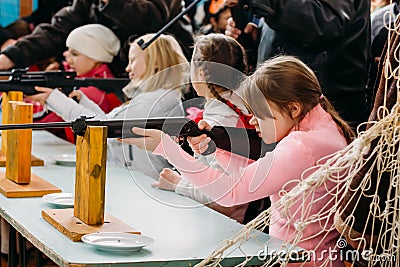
{"points": [[25, 81], [241, 141]]}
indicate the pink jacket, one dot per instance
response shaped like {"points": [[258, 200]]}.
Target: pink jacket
{"points": [[317, 136], [93, 93]]}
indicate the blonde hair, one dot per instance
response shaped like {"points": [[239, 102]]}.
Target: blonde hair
{"points": [[284, 80], [164, 53]]}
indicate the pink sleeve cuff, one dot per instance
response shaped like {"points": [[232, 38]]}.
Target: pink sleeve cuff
{"points": [[163, 143]]}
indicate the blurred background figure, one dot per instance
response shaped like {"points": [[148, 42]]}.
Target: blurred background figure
{"points": [[6, 38], [377, 4], [334, 44], [48, 40], [216, 17], [382, 19], [45, 11]]}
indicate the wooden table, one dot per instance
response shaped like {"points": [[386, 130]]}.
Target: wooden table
{"points": [[184, 231]]}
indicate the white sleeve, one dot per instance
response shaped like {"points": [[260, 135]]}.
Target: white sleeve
{"points": [[88, 103], [68, 109], [185, 188]]}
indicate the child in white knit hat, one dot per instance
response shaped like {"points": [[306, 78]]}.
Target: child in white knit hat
{"points": [[157, 76], [90, 48]]}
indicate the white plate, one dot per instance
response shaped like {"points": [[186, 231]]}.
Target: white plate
{"points": [[117, 242], [65, 159], [61, 200]]}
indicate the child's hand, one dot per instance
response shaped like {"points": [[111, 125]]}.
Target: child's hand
{"points": [[168, 180], [76, 94], [53, 66], [41, 97], [151, 138], [199, 144]]}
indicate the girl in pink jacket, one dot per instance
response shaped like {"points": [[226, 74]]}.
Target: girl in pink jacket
{"points": [[289, 108]]}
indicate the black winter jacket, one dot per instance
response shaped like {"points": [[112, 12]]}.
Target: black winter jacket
{"points": [[124, 17], [331, 36]]}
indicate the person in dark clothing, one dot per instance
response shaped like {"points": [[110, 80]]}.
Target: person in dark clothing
{"points": [[124, 18], [331, 37], [45, 11], [382, 18], [5, 38], [216, 16]]}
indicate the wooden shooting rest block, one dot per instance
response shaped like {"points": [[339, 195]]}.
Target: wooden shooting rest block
{"points": [[12, 96], [18, 181], [87, 216]]}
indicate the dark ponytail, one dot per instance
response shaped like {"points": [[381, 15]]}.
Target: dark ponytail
{"points": [[346, 130], [224, 63]]}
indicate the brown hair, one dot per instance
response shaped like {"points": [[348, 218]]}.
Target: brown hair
{"points": [[223, 60], [284, 80]]}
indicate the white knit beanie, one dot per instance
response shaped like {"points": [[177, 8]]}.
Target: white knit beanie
{"points": [[94, 41]]}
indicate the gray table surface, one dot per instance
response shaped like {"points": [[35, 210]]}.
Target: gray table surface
{"points": [[184, 231]]}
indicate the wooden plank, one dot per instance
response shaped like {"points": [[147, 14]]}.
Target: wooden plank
{"points": [[35, 161], [10, 96], [65, 222], [19, 143], [38, 187], [91, 159], [25, 7], [6, 97]]}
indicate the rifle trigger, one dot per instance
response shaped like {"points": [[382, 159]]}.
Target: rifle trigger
{"points": [[181, 140]]}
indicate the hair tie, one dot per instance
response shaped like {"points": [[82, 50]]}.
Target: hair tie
{"points": [[321, 96]]}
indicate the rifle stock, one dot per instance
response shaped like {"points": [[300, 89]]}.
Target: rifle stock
{"points": [[25, 81], [241, 141]]}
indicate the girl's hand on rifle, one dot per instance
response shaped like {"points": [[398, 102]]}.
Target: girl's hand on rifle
{"points": [[151, 138], [42, 96], [76, 94], [199, 144]]}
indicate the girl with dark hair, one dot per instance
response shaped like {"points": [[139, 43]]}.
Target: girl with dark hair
{"points": [[213, 54]]}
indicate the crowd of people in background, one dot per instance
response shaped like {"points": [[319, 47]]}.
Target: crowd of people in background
{"points": [[333, 46]]}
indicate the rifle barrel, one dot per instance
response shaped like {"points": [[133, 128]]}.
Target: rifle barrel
{"points": [[35, 126]]}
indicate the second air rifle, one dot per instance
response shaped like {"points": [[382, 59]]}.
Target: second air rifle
{"points": [[241, 141], [25, 81]]}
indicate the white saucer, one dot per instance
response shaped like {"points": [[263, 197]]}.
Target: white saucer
{"points": [[117, 242], [65, 159], [61, 200]]}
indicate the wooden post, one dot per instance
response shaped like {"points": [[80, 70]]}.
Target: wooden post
{"points": [[10, 96], [18, 153], [91, 157], [88, 214]]}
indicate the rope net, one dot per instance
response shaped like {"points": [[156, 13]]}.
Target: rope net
{"points": [[361, 183]]}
